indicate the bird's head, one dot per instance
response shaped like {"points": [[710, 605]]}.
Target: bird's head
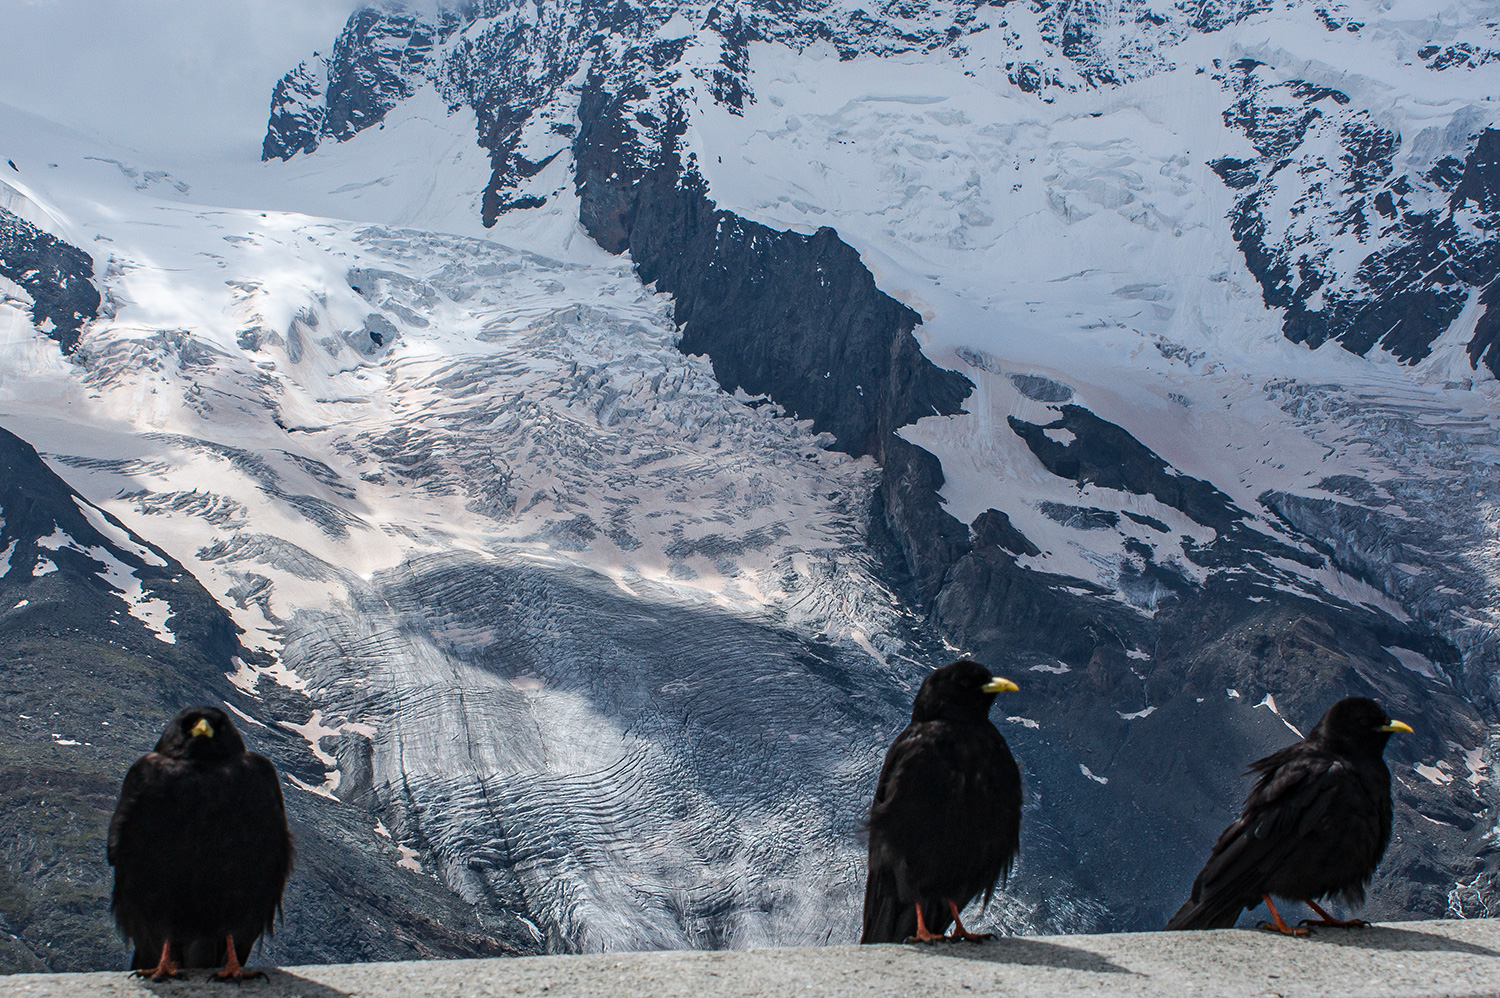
{"points": [[203, 733], [961, 691], [1357, 724]]}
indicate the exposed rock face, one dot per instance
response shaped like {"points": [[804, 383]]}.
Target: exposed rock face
{"points": [[57, 276], [373, 67], [797, 318], [1428, 241], [1137, 695]]}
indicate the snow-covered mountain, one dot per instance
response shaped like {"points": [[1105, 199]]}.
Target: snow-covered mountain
{"points": [[597, 418]]}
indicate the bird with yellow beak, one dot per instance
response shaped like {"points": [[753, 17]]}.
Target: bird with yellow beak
{"points": [[201, 849], [945, 824], [1314, 826]]}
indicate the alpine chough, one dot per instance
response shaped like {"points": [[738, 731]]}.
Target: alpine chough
{"points": [[1314, 826], [945, 825], [200, 847]]}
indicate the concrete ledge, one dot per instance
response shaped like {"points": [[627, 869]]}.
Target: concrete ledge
{"points": [[1457, 958]]}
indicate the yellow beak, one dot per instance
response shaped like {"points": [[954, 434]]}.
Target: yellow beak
{"points": [[998, 685], [1395, 726], [207, 730]]}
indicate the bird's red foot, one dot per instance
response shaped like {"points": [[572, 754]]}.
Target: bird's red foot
{"points": [[165, 967], [1276, 924], [964, 936], [961, 934], [1283, 928], [924, 936], [232, 970], [1326, 920]]}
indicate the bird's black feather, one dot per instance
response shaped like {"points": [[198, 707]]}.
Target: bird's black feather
{"points": [[1315, 824], [200, 845], [945, 822]]}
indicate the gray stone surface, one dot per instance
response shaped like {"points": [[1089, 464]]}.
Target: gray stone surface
{"points": [[1412, 958]]}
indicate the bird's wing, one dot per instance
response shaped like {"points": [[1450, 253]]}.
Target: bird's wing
{"points": [[140, 781], [915, 784], [271, 804], [883, 908], [884, 915], [931, 768], [1002, 778], [893, 758], [1281, 814], [910, 787]]}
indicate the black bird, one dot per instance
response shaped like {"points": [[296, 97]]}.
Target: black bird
{"points": [[200, 847], [1314, 826], [946, 822]]}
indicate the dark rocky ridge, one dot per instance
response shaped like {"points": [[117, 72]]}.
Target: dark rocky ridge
{"points": [[794, 317], [86, 688], [1434, 240], [57, 276], [375, 64]]}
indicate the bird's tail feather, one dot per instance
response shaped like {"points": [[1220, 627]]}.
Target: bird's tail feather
{"points": [[888, 919], [883, 911], [1205, 915]]}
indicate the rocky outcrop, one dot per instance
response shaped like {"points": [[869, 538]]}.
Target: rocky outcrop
{"points": [[1428, 243], [377, 62], [797, 318], [57, 276]]}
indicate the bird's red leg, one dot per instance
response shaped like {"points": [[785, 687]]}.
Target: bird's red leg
{"points": [[232, 970], [923, 936], [1279, 925], [1329, 921], [959, 932], [165, 968]]}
